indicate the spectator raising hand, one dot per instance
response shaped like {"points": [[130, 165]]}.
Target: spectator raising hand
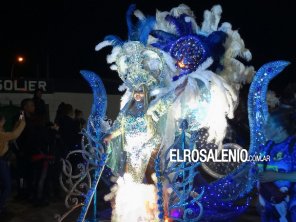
{"points": [[5, 177]]}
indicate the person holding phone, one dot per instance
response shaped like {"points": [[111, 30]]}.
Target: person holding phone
{"points": [[5, 137]]}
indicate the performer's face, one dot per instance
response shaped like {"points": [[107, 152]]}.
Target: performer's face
{"points": [[138, 96]]}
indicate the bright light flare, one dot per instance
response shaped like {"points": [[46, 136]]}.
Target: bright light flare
{"points": [[20, 59], [134, 201]]}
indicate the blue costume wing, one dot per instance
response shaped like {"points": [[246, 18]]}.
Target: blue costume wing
{"points": [[94, 134], [99, 106], [81, 187]]}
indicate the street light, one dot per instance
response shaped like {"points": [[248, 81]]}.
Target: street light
{"points": [[19, 59]]}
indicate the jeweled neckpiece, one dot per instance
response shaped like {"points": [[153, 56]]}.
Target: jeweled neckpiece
{"points": [[139, 105]]}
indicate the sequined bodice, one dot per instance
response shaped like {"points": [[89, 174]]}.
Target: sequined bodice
{"points": [[136, 145], [135, 132], [135, 125]]}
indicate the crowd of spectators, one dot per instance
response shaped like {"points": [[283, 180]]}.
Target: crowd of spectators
{"points": [[30, 154]]}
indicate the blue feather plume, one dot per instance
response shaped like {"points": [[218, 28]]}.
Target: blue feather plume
{"points": [[141, 30], [129, 22], [163, 36], [144, 28], [114, 39]]}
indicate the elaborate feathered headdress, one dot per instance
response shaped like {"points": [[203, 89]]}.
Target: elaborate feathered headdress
{"points": [[136, 63]]}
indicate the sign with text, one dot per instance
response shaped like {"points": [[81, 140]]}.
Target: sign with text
{"points": [[25, 85]]}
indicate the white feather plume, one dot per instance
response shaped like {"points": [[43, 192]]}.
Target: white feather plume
{"points": [[169, 61], [205, 65], [114, 53], [114, 67], [139, 14], [235, 72], [211, 19], [103, 44], [181, 9], [122, 87], [162, 24]]}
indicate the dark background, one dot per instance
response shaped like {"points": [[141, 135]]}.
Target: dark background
{"points": [[57, 38]]}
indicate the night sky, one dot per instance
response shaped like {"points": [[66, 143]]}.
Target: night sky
{"points": [[59, 36]]}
